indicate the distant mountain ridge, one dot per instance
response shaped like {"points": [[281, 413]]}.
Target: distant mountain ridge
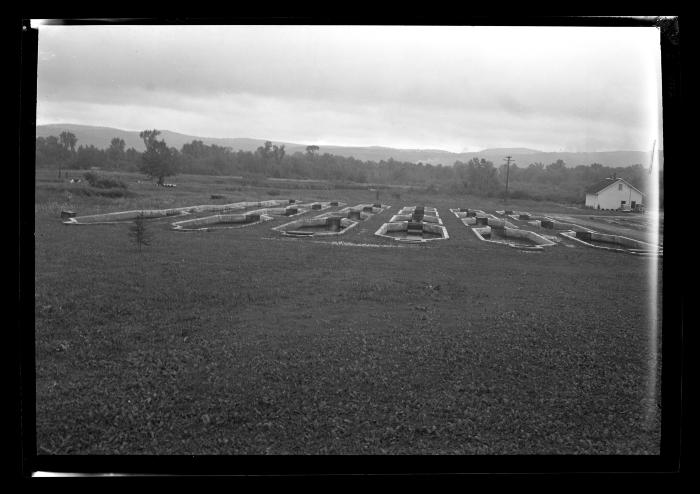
{"points": [[510, 151], [101, 137]]}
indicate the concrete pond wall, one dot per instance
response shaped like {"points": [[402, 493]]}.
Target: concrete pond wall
{"points": [[500, 223], [469, 213], [124, 216], [128, 216], [537, 241], [295, 228], [289, 211], [402, 226], [236, 220], [616, 243]]}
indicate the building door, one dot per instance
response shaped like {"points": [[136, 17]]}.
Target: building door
{"points": [[633, 204]]}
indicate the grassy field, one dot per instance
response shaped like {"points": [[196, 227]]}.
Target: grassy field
{"points": [[242, 341]]}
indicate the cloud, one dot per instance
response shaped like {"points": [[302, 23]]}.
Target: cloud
{"points": [[378, 85]]}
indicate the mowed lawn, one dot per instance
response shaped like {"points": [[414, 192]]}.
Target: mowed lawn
{"points": [[241, 341]]}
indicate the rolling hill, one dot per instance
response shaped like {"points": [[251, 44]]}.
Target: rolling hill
{"points": [[101, 136]]}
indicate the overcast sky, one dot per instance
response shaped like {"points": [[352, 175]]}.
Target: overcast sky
{"points": [[452, 88]]}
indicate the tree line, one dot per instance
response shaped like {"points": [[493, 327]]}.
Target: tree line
{"points": [[554, 181]]}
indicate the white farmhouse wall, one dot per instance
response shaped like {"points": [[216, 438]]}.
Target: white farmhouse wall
{"points": [[611, 197]]}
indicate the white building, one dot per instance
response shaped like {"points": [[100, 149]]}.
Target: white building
{"points": [[613, 193]]}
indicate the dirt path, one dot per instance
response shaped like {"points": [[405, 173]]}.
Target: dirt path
{"points": [[458, 231]]}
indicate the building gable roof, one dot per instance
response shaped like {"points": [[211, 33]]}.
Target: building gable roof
{"points": [[607, 182]]}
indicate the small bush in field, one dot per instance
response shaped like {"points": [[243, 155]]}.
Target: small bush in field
{"points": [[139, 233]]}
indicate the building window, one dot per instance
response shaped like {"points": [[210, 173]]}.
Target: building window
{"points": [[619, 187]]}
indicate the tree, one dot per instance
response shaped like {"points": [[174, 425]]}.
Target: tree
{"points": [[68, 142], [533, 172], [278, 153], [556, 172], [481, 177], [50, 152], [89, 156], [116, 149], [195, 149], [264, 155], [138, 232], [158, 160], [312, 150]]}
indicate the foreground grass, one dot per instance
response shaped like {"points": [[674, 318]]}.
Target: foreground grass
{"points": [[240, 342]]}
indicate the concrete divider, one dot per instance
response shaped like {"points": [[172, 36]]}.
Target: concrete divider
{"points": [[465, 212], [495, 222], [551, 224], [426, 210], [366, 213], [319, 205], [333, 223], [409, 217]]}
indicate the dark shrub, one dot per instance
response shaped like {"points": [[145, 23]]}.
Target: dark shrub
{"points": [[90, 177], [102, 182]]}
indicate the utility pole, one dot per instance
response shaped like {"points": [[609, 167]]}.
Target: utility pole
{"points": [[507, 159]]}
